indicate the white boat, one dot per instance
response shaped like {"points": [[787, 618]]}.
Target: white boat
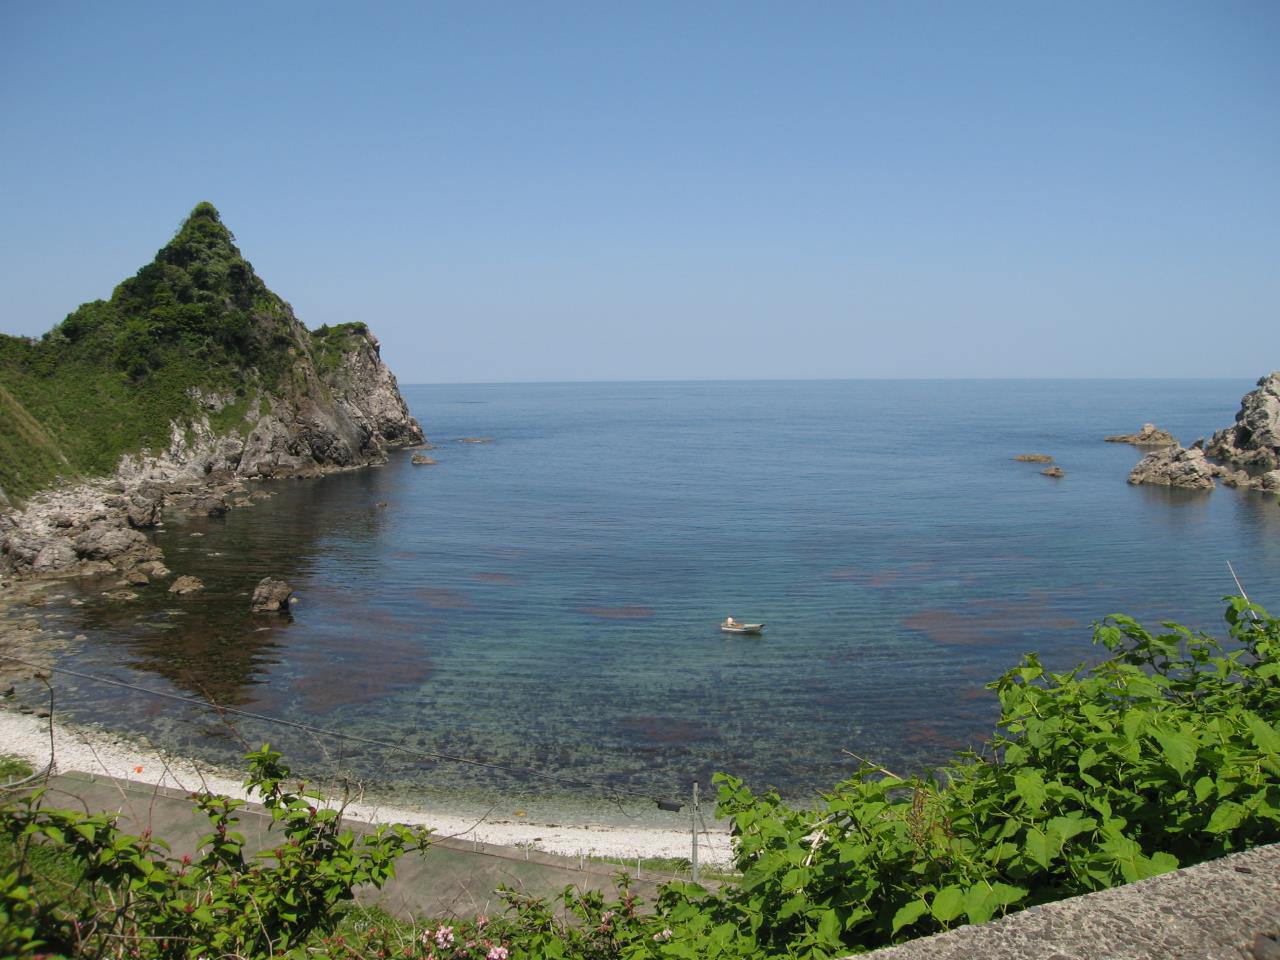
{"points": [[731, 625]]}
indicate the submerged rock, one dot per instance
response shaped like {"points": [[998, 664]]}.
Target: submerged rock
{"points": [[1175, 467], [1255, 437], [1149, 436], [185, 585], [271, 596], [1033, 458], [420, 460], [136, 577], [1053, 472]]}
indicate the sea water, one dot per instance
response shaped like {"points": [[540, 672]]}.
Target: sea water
{"points": [[548, 602]]}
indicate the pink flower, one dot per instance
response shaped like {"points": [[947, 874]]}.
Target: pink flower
{"points": [[663, 935], [481, 922], [444, 937], [496, 953]]}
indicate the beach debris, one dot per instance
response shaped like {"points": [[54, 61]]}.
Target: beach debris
{"points": [[1033, 458], [271, 596], [185, 585], [1053, 472], [1149, 436]]}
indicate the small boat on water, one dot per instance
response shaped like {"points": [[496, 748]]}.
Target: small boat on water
{"points": [[731, 625]]}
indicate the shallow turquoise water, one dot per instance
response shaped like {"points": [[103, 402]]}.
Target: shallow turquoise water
{"points": [[551, 599]]}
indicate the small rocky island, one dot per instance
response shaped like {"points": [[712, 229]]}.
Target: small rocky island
{"points": [[193, 380], [1248, 452], [1149, 436]]}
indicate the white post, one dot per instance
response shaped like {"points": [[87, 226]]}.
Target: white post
{"points": [[693, 823]]}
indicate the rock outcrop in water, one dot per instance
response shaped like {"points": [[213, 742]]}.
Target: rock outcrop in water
{"points": [[210, 381], [1175, 466], [1149, 436], [271, 596], [1254, 439]]}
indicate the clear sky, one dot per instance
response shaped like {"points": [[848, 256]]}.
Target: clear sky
{"points": [[556, 191]]}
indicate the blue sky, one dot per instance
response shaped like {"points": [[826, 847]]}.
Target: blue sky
{"points": [[664, 191]]}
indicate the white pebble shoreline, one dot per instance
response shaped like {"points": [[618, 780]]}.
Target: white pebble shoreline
{"points": [[92, 751]]}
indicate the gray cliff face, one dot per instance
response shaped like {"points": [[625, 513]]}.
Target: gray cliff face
{"points": [[1254, 439], [349, 416], [366, 388]]}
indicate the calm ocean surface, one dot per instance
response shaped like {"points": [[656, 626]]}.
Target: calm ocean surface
{"points": [[550, 600]]}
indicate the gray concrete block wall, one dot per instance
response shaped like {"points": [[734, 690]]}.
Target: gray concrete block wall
{"points": [[1226, 909]]}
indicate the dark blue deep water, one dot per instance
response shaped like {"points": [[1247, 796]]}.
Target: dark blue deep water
{"points": [[550, 599]]}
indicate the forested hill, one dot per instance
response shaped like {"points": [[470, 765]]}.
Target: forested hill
{"points": [[193, 341]]}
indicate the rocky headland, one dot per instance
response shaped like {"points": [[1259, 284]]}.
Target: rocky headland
{"points": [[1254, 439], [1245, 456], [190, 384]]}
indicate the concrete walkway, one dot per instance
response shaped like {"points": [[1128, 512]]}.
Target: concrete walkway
{"points": [[454, 878]]}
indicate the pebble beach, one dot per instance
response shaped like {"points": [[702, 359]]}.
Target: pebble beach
{"points": [[86, 750]]}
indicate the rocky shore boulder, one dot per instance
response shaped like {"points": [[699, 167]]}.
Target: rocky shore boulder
{"points": [[1149, 436], [420, 460], [105, 541], [1254, 439], [1033, 458], [1053, 472], [1175, 467], [57, 555], [185, 585], [143, 511], [271, 596]]}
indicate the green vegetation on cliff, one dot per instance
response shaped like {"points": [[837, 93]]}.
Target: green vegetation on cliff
{"points": [[115, 373]]}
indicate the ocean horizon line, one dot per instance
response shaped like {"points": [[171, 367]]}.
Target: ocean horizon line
{"points": [[872, 379]]}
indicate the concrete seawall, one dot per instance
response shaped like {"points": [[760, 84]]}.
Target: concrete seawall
{"points": [[1226, 909]]}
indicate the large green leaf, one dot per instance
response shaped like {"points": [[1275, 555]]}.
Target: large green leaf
{"points": [[1030, 787], [1179, 749], [947, 903], [1227, 816], [909, 914]]}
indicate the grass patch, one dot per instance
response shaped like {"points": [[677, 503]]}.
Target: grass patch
{"points": [[13, 768]]}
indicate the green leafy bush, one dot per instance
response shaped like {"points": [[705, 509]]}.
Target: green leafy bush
{"points": [[132, 898]]}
